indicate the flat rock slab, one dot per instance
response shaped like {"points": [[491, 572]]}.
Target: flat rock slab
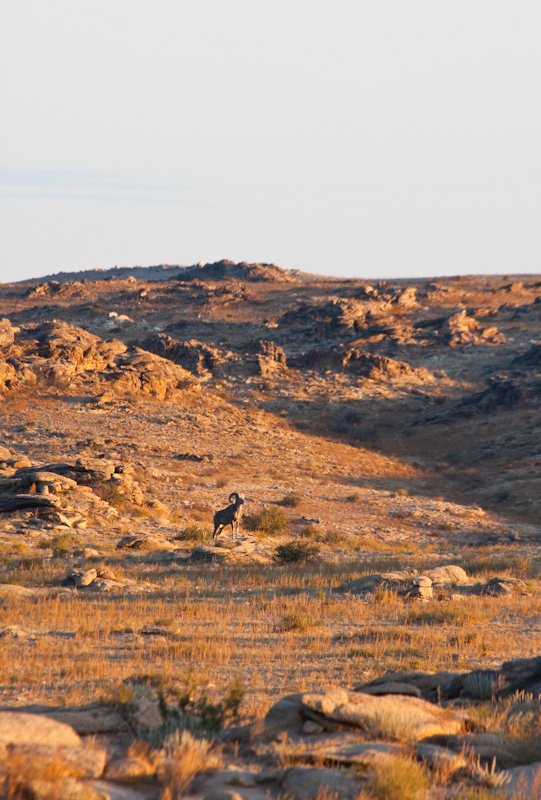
{"points": [[388, 716], [76, 762], [392, 687], [345, 748], [524, 782], [18, 728], [83, 720], [112, 791], [431, 685], [304, 783]]}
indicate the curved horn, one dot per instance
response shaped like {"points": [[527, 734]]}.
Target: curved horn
{"points": [[233, 495]]}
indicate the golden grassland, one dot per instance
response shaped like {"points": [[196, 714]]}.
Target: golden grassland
{"points": [[279, 629]]}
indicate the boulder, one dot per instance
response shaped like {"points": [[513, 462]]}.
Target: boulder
{"points": [[305, 783], [198, 358], [450, 574], [440, 758], [105, 790], [459, 330], [210, 554], [390, 716], [523, 781], [7, 333], [508, 751], [95, 718], [391, 687], [19, 728], [420, 593], [76, 762], [370, 583], [432, 686], [13, 590], [80, 578], [501, 586]]}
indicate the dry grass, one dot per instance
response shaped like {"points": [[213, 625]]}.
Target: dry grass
{"points": [[227, 620], [398, 779], [185, 757]]}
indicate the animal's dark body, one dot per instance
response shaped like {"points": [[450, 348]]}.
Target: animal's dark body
{"points": [[229, 516]]}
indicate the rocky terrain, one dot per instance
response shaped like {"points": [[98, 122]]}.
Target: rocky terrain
{"points": [[376, 628]]}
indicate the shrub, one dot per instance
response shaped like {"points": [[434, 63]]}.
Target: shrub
{"points": [[192, 533], [269, 520], [195, 712], [185, 758], [480, 685], [63, 544], [312, 531], [290, 500], [298, 622], [398, 779], [295, 552]]}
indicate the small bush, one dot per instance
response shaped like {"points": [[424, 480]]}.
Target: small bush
{"points": [[269, 520], [63, 544], [193, 533], [112, 494], [290, 500], [185, 758], [298, 622], [480, 685], [313, 531], [194, 712], [398, 779], [295, 552], [352, 498]]}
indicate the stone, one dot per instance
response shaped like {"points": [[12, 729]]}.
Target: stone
{"points": [[145, 716], [422, 580], [392, 687], [105, 586], [501, 586], [310, 727], [223, 794], [440, 757], [523, 782], [369, 583], [508, 751], [305, 783], [449, 574], [80, 578], [392, 716], [7, 333], [76, 762], [210, 554], [14, 590], [113, 791], [19, 728], [95, 718], [432, 686], [420, 593], [283, 716]]}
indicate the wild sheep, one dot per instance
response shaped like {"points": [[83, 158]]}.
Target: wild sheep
{"points": [[229, 516]]}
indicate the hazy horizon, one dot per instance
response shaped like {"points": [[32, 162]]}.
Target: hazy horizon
{"points": [[353, 138]]}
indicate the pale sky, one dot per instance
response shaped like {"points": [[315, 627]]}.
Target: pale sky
{"points": [[361, 138]]}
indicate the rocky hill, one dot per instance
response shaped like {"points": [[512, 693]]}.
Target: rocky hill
{"points": [[386, 439]]}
